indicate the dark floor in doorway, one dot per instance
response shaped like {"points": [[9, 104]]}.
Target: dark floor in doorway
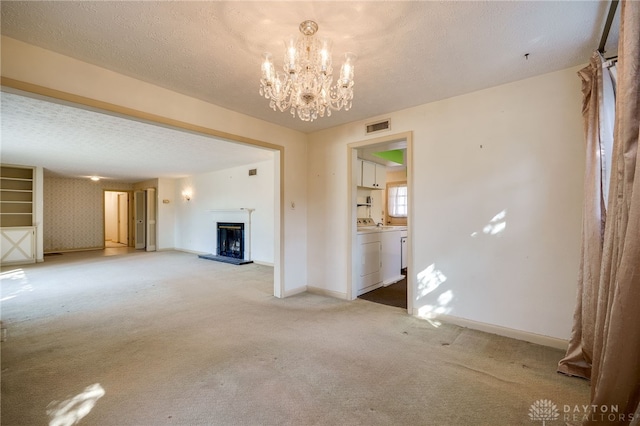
{"points": [[393, 295]]}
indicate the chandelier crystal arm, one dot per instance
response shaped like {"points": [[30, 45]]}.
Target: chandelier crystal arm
{"points": [[305, 84]]}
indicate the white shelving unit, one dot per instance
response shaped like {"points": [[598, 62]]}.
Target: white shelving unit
{"points": [[16, 196], [16, 215]]}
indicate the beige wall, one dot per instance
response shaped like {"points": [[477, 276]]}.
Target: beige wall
{"points": [[396, 176], [516, 150], [111, 216]]}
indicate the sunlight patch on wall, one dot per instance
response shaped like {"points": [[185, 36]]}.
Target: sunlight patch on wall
{"points": [[71, 411], [13, 283], [495, 226], [429, 280]]}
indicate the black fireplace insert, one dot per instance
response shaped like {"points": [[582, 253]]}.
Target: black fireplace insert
{"points": [[230, 240]]}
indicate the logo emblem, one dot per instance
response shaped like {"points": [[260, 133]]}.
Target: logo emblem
{"points": [[543, 410]]}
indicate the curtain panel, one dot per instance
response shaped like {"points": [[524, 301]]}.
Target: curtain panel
{"points": [[598, 113], [605, 342], [615, 378]]}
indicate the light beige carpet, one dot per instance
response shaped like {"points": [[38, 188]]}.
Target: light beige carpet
{"points": [[169, 339]]}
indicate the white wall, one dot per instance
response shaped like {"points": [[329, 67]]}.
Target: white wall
{"points": [[34, 65], [226, 190], [166, 220], [517, 149]]}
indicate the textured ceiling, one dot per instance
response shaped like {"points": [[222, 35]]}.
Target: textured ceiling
{"points": [[74, 142], [409, 53]]}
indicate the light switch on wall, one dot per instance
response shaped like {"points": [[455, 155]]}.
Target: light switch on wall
{"points": [[293, 205]]}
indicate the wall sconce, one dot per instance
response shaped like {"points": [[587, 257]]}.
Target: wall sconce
{"points": [[186, 194]]}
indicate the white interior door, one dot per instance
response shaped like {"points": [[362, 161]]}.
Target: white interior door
{"points": [[139, 213], [151, 219], [123, 218]]}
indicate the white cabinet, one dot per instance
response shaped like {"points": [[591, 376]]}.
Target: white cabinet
{"points": [[405, 252], [379, 259], [369, 262], [17, 235], [391, 257], [18, 245], [372, 175]]}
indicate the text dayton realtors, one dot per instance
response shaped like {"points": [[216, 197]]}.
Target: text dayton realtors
{"points": [[596, 413]]}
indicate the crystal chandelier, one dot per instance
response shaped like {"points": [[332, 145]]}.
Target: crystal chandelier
{"points": [[305, 84]]}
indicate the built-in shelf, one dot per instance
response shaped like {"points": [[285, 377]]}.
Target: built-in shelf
{"points": [[16, 196], [17, 233]]}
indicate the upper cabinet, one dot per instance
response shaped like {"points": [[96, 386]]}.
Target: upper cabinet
{"points": [[372, 175], [16, 189]]}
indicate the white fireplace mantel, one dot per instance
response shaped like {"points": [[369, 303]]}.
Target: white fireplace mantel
{"points": [[240, 210]]}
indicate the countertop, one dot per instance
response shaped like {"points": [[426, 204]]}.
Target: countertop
{"points": [[385, 228]]}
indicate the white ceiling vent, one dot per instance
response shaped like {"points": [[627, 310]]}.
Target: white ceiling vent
{"points": [[378, 126]]}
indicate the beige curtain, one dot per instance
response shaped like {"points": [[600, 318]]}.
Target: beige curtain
{"points": [[598, 122], [605, 343]]}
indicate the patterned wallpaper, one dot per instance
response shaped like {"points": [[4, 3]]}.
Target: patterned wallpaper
{"points": [[73, 212]]}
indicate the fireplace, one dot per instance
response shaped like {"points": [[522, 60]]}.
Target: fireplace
{"points": [[232, 236], [230, 240]]}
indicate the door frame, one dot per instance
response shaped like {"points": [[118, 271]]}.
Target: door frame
{"points": [[140, 219], [129, 193], [123, 195], [352, 162]]}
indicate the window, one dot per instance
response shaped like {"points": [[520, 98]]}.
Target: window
{"points": [[397, 200]]}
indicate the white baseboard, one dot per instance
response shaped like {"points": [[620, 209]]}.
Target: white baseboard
{"points": [[190, 251], [294, 291], [260, 262], [325, 292], [393, 280], [526, 336]]}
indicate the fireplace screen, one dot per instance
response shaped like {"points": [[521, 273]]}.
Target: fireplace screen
{"points": [[231, 240]]}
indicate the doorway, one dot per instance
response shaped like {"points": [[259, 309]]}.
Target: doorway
{"points": [[116, 219], [398, 174]]}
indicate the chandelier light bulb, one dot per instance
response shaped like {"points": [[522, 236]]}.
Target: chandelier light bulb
{"points": [[346, 72], [290, 55], [268, 71], [305, 84], [325, 56]]}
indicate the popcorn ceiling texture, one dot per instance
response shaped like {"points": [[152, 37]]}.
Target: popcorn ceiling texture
{"points": [[409, 53], [135, 151]]}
